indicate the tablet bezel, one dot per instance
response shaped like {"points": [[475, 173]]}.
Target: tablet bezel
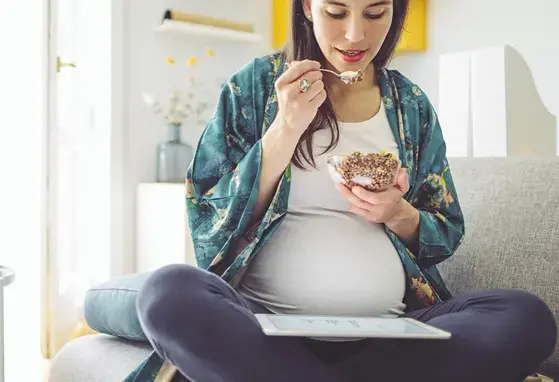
{"points": [[270, 329]]}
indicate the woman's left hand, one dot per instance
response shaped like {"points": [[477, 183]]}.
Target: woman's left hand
{"points": [[381, 206]]}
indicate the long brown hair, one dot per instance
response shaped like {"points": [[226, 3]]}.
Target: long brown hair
{"points": [[302, 45]]}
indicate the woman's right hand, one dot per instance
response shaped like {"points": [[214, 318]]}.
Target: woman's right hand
{"points": [[297, 109]]}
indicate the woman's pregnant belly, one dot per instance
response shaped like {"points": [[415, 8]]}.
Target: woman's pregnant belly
{"points": [[331, 263]]}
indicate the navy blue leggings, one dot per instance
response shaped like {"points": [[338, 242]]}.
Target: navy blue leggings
{"points": [[208, 331]]}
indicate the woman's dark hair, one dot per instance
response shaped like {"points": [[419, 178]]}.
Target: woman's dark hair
{"points": [[302, 45]]}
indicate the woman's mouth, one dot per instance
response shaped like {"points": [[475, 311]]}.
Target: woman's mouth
{"points": [[352, 55]]}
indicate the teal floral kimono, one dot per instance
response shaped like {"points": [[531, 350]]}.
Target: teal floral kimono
{"points": [[222, 184]]}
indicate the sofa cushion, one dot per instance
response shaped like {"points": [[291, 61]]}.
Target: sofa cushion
{"points": [[511, 210], [110, 308], [80, 359]]}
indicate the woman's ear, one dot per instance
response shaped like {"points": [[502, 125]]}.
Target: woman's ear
{"points": [[307, 9]]}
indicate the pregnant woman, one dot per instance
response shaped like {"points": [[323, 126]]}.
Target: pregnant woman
{"points": [[273, 233]]}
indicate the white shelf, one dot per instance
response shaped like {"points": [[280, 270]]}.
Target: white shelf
{"points": [[181, 27]]}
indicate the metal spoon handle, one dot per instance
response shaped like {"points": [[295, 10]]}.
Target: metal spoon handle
{"points": [[330, 71]]}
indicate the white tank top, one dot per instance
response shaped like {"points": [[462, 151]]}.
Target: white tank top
{"points": [[323, 259]]}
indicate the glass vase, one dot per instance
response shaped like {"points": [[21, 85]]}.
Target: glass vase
{"points": [[173, 157]]}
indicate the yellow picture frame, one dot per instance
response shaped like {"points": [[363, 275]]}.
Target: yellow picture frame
{"points": [[281, 12], [414, 35]]}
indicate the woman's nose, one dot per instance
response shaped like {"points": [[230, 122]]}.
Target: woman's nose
{"points": [[355, 30]]}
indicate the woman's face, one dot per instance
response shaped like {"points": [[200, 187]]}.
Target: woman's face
{"points": [[349, 32]]}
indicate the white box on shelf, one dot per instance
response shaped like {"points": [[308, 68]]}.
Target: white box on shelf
{"points": [[162, 233]]}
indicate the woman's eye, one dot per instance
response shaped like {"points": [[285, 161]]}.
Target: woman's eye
{"points": [[375, 16], [336, 15], [371, 16]]}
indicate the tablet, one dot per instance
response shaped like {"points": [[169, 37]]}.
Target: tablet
{"points": [[347, 327]]}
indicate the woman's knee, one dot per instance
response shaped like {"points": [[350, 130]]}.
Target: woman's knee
{"points": [[168, 289], [531, 315]]}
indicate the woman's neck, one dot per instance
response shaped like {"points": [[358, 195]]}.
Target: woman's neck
{"points": [[356, 102]]}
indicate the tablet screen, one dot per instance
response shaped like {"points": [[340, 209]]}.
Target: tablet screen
{"points": [[344, 324]]}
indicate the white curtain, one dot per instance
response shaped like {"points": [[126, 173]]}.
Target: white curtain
{"points": [[55, 166], [79, 173]]}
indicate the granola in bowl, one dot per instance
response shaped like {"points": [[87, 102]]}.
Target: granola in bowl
{"points": [[372, 171]]}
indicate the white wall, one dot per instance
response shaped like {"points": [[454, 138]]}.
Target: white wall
{"points": [[146, 71], [456, 25]]}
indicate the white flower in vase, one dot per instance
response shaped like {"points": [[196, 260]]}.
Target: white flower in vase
{"points": [[173, 156], [182, 106]]}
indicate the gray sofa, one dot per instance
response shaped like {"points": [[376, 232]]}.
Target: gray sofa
{"points": [[511, 208]]}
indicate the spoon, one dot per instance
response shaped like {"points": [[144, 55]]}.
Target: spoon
{"points": [[348, 77]]}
